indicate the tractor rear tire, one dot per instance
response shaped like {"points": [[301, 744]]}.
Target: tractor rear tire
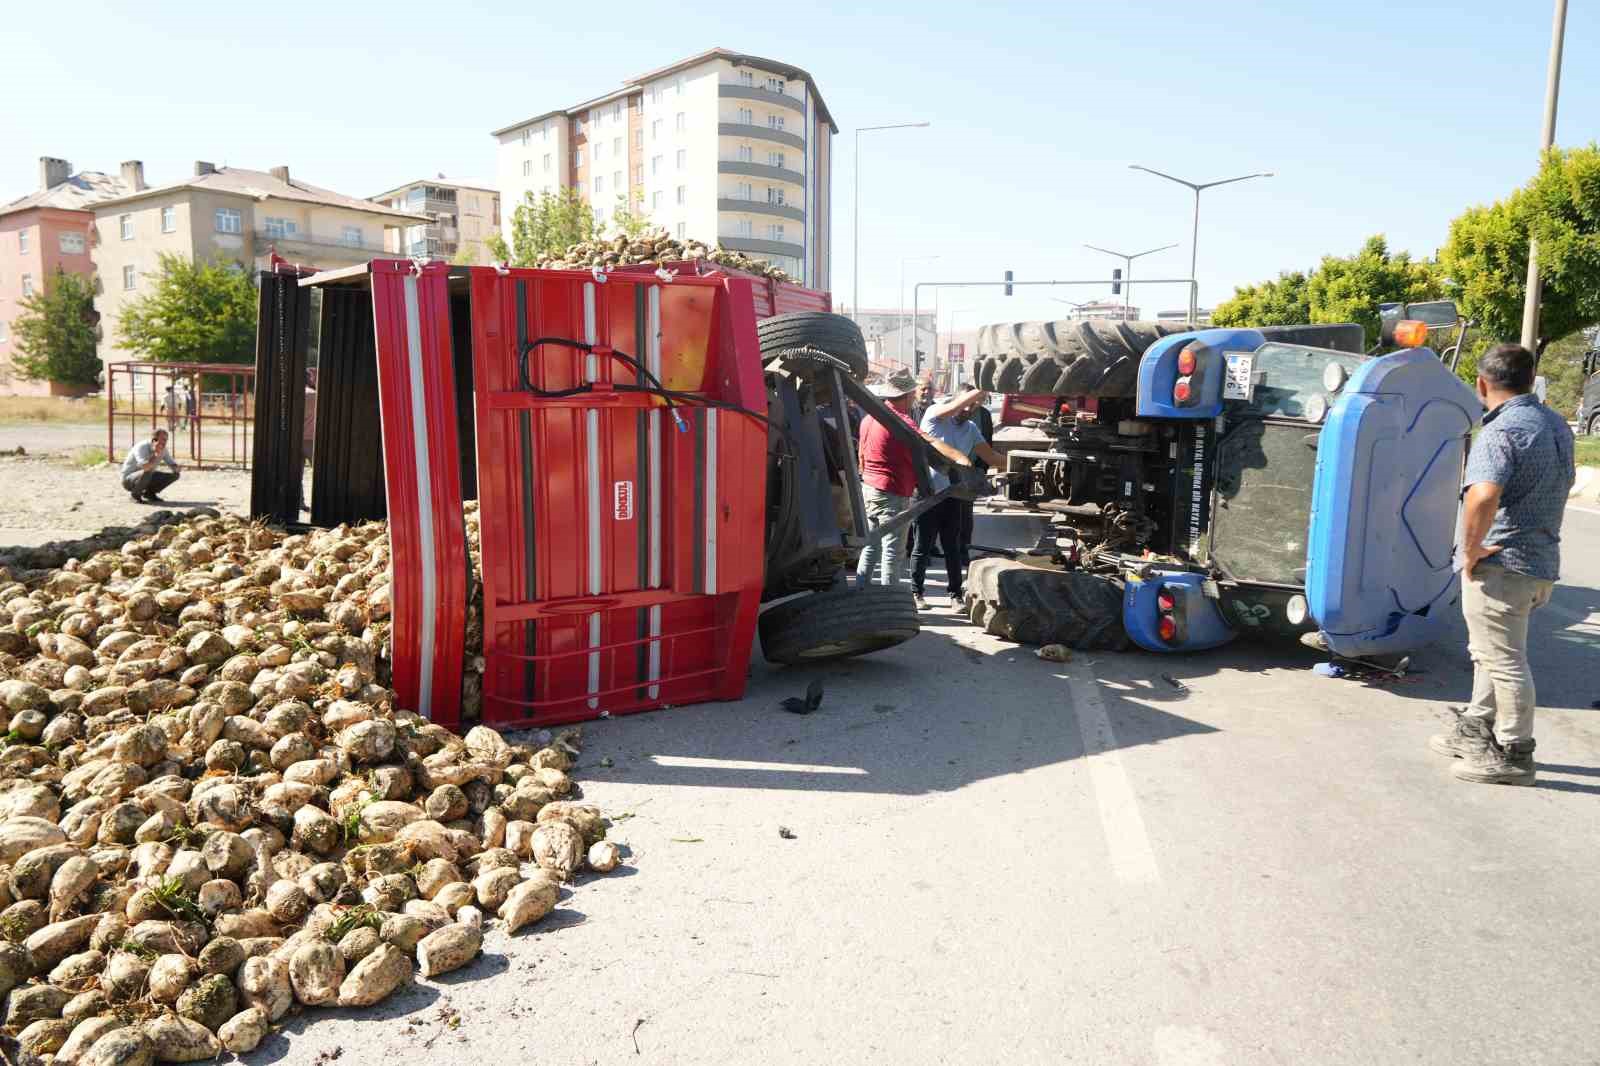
{"points": [[833, 335], [1030, 605], [1041, 377], [838, 624], [984, 375], [1096, 357]]}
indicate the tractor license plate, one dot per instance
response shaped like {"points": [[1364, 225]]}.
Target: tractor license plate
{"points": [[1236, 385]]}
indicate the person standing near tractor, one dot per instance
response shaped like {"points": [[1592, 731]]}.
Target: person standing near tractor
{"points": [[888, 479], [1518, 475], [948, 421]]}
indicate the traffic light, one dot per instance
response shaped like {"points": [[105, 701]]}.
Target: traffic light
{"points": [[1008, 283], [1116, 281]]}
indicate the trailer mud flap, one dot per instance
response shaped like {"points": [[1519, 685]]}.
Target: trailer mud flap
{"points": [[1380, 575]]}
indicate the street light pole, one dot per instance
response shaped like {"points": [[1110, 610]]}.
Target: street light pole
{"points": [[1127, 274], [855, 279], [1194, 241], [1552, 89]]}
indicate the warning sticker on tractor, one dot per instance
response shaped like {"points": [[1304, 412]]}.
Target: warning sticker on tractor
{"points": [[1236, 385], [622, 501]]}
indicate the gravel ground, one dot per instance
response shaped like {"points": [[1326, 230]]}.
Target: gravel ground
{"points": [[50, 498]]}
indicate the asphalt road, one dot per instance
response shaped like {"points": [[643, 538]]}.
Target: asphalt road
{"points": [[997, 859]]}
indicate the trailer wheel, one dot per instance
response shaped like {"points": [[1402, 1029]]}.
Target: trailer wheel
{"points": [[1034, 606], [835, 335], [838, 624]]}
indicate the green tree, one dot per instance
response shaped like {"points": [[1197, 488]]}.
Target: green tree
{"points": [[1486, 256], [498, 252], [627, 222], [546, 226], [196, 313], [56, 334], [1341, 289]]}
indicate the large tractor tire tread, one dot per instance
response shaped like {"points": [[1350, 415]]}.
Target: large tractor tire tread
{"points": [[838, 624], [831, 334], [1030, 605], [1096, 357]]}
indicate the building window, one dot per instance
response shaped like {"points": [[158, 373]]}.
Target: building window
{"points": [[72, 244], [775, 85], [655, 128], [678, 85], [616, 110], [775, 231], [774, 122], [682, 122], [747, 117], [638, 173], [655, 164], [742, 227], [27, 284], [746, 153], [547, 162], [5, 334], [128, 275], [683, 158], [351, 237], [747, 77], [775, 159], [228, 220], [638, 137], [683, 194], [655, 199], [655, 94], [125, 224], [599, 149], [281, 227], [527, 168], [745, 191], [22, 239], [774, 195], [577, 157], [599, 183], [169, 220], [616, 146], [680, 231]]}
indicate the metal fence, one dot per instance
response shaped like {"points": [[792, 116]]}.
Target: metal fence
{"points": [[207, 409]]}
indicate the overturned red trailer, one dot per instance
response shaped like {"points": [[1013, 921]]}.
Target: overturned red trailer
{"points": [[610, 426]]}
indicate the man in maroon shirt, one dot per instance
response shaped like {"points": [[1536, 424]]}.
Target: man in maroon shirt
{"points": [[888, 479]]}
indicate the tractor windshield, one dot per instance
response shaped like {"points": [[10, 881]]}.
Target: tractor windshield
{"points": [[1287, 376]]}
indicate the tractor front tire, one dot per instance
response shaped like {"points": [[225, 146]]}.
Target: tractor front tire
{"points": [[830, 334], [1031, 605], [838, 624]]}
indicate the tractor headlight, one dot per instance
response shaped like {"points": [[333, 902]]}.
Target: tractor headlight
{"points": [[1295, 609]]}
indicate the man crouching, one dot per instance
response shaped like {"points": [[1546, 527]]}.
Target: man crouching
{"points": [[141, 475]]}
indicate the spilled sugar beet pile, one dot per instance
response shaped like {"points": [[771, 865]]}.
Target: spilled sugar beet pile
{"points": [[211, 810]]}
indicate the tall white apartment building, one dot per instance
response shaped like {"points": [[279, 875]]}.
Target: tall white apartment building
{"points": [[722, 147]]}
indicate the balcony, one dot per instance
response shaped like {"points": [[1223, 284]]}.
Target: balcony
{"points": [[760, 133], [765, 96], [761, 207], [762, 247], [760, 170], [306, 240]]}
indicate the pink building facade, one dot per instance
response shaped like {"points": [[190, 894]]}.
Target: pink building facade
{"points": [[45, 232]]}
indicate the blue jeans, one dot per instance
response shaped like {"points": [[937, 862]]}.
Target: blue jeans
{"points": [[881, 507]]}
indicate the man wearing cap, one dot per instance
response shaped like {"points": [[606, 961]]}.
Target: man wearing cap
{"points": [[949, 421], [888, 479], [141, 475]]}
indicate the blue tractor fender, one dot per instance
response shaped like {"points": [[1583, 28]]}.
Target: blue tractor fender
{"points": [[1159, 372], [1197, 621]]}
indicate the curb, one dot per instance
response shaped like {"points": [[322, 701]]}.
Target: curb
{"points": [[1587, 486]]}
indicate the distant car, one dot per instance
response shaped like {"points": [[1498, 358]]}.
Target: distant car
{"points": [[1589, 402]]}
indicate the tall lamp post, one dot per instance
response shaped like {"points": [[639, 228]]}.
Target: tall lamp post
{"points": [[1194, 241], [1127, 273], [901, 310], [855, 280], [1552, 89]]}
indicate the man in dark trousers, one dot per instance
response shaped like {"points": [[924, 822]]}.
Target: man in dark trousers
{"points": [[985, 422], [950, 421], [142, 475], [1518, 475]]}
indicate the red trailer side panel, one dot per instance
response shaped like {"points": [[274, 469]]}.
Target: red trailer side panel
{"points": [[416, 393]]}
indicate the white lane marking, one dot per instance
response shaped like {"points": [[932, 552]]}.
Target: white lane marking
{"points": [[1585, 510], [1570, 615], [692, 762], [1126, 841], [419, 424], [1187, 1045]]}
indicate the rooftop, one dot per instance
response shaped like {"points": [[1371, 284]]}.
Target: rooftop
{"points": [[736, 58], [449, 183], [263, 185], [78, 193]]}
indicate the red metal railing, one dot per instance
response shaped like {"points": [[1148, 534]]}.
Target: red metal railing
{"points": [[196, 403]]}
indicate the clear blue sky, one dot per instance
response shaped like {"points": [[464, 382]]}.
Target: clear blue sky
{"points": [[1377, 116]]}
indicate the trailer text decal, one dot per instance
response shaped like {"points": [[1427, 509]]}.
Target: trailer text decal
{"points": [[622, 501]]}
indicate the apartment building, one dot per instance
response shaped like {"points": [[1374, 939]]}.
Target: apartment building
{"points": [[228, 214], [461, 214], [721, 146], [48, 230]]}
